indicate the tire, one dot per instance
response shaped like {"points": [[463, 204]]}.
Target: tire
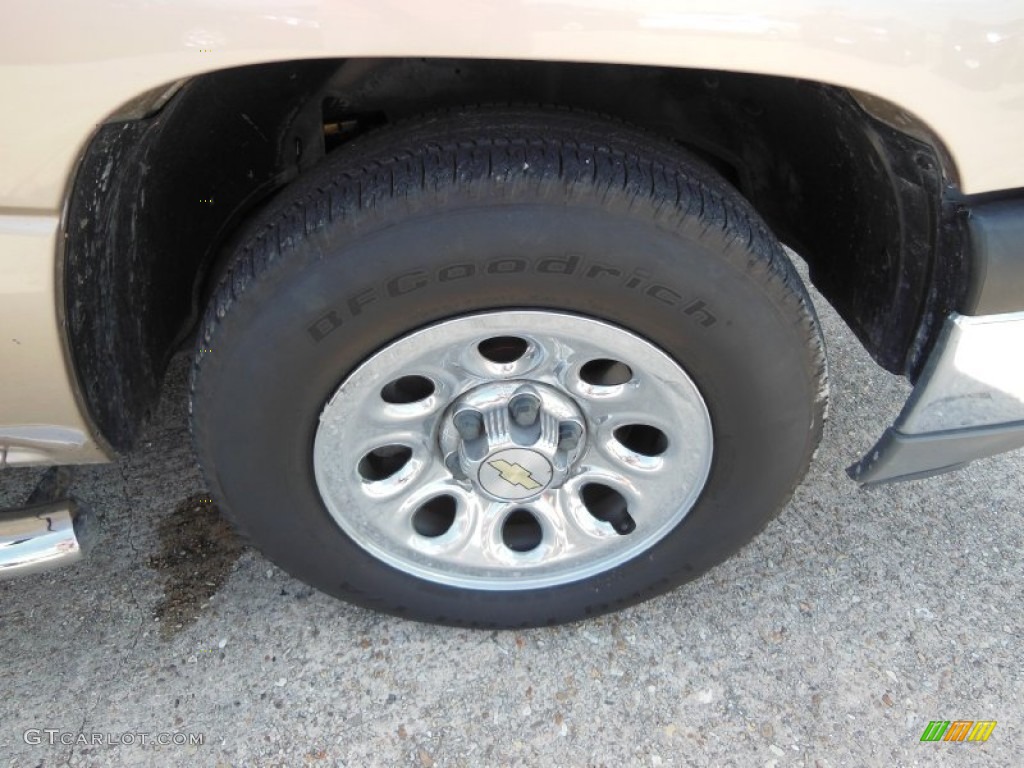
{"points": [[492, 259]]}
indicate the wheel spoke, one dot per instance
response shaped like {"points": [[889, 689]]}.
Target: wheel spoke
{"points": [[573, 532], [635, 399], [397, 521], [420, 469], [647, 487]]}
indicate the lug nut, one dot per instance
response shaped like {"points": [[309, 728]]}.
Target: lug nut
{"points": [[452, 462], [524, 407], [569, 433], [469, 424]]}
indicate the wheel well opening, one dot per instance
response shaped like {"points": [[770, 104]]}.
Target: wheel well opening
{"points": [[157, 198]]}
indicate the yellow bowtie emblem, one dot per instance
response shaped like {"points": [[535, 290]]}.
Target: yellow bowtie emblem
{"points": [[515, 474]]}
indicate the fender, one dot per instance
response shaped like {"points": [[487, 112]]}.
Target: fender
{"points": [[960, 78]]}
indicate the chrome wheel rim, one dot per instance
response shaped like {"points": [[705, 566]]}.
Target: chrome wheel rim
{"points": [[513, 450]]}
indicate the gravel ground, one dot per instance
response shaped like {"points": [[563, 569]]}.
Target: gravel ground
{"points": [[832, 640]]}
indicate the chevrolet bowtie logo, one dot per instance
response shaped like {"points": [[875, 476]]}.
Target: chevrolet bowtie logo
{"points": [[515, 474]]}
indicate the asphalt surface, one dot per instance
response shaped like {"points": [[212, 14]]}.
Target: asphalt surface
{"points": [[855, 619]]}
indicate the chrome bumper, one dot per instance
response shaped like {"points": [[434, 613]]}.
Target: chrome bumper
{"points": [[43, 536], [968, 403]]}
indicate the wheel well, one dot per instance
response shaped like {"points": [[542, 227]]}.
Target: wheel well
{"points": [[156, 199]]}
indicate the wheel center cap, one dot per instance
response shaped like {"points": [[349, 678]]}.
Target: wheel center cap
{"points": [[513, 439], [515, 473]]}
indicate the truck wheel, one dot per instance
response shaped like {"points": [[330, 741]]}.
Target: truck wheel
{"points": [[504, 368]]}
